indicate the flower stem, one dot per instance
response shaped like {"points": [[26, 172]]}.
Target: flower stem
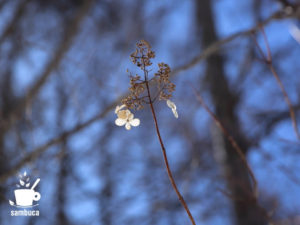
{"points": [[181, 199]]}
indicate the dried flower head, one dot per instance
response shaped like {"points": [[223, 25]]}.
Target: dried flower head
{"points": [[142, 55], [139, 87], [134, 101], [164, 84], [142, 58]]}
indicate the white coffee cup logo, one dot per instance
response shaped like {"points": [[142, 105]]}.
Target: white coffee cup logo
{"points": [[25, 196]]}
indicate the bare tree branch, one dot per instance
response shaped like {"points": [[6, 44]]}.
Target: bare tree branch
{"points": [[17, 16], [34, 154], [218, 44], [269, 62], [58, 56]]}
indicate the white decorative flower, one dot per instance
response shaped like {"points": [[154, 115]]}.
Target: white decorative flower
{"points": [[172, 105], [125, 117]]}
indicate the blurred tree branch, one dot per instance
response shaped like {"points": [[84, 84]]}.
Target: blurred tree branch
{"points": [[270, 118], [34, 154], [63, 47], [15, 20], [215, 46], [268, 60]]}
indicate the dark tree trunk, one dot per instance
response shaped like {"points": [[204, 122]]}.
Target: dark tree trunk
{"points": [[247, 210]]}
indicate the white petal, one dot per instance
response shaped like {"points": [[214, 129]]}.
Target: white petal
{"points": [[171, 104], [129, 115], [127, 126], [135, 122], [118, 108], [175, 113], [120, 122]]}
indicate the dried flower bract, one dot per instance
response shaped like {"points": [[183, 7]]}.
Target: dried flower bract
{"points": [[139, 85], [165, 86], [138, 96]]}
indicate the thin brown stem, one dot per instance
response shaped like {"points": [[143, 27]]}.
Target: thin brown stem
{"points": [[269, 55], [170, 175], [269, 62], [287, 99], [231, 140]]}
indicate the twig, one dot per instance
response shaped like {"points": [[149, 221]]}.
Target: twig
{"points": [[238, 150], [231, 140], [181, 199], [267, 59]]}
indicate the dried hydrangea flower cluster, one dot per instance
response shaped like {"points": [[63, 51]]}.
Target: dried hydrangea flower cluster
{"points": [[142, 55], [164, 84], [139, 96], [133, 100]]}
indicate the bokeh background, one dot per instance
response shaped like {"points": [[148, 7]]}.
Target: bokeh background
{"points": [[63, 70]]}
